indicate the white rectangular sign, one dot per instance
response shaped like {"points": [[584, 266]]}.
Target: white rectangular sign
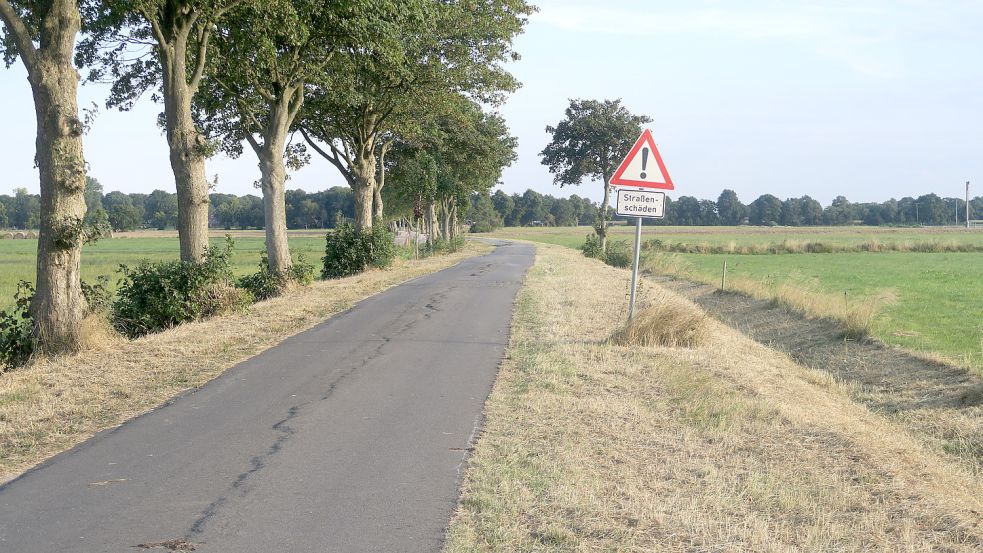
{"points": [[641, 203]]}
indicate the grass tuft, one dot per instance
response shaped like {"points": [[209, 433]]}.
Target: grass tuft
{"points": [[669, 322]]}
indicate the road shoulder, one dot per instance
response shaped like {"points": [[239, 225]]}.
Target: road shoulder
{"points": [[728, 445]]}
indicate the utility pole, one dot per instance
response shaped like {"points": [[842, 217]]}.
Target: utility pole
{"points": [[967, 204]]}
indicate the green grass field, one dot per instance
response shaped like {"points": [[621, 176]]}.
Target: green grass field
{"points": [[17, 257], [937, 307]]}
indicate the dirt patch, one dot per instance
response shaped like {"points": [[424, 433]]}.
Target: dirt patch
{"points": [[939, 400]]}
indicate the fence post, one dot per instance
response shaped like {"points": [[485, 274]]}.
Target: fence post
{"points": [[723, 278]]}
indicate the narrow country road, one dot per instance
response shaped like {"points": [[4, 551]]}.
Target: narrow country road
{"points": [[348, 437]]}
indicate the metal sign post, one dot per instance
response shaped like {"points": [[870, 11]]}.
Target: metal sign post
{"points": [[634, 267], [639, 203], [642, 170]]}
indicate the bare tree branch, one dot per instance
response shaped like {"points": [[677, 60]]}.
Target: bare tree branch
{"points": [[22, 37], [333, 158], [204, 35], [382, 162]]}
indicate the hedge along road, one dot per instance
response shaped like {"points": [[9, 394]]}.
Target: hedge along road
{"points": [[351, 436]]}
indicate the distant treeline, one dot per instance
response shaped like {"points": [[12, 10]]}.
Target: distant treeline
{"points": [[158, 210], [533, 208], [313, 210]]}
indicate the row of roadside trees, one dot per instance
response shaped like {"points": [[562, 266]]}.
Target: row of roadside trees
{"points": [[402, 87]]}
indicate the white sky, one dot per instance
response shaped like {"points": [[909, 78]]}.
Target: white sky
{"points": [[868, 99]]}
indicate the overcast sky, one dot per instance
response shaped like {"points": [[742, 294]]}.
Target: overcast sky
{"points": [[867, 99]]}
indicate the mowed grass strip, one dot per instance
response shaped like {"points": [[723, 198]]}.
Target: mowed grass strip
{"points": [[725, 446], [52, 404]]}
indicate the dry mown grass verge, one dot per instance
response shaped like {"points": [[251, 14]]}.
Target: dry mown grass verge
{"points": [[52, 404], [725, 446]]}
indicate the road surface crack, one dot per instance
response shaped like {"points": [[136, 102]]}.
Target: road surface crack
{"points": [[257, 463], [171, 545]]}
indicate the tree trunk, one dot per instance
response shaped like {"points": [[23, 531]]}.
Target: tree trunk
{"points": [[432, 226], [274, 206], [364, 186], [445, 207], [378, 210], [58, 305], [187, 148], [377, 207], [280, 116], [453, 228], [602, 224]]}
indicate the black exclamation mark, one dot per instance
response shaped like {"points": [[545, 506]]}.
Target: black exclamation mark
{"points": [[645, 160]]}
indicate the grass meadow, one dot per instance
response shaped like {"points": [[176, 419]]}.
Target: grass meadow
{"points": [[17, 257], [928, 302]]}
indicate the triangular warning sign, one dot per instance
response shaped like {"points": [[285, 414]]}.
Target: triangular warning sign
{"points": [[643, 166]]}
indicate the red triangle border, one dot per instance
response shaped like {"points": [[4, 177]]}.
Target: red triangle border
{"points": [[618, 178]]}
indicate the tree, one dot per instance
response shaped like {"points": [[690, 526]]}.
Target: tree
{"points": [[93, 195], [43, 34], [708, 213], [730, 209], [839, 212], [563, 212], [26, 212], [482, 214], [121, 212], [931, 209], [229, 214], [812, 211], [505, 206], [461, 152], [589, 144], [180, 32], [766, 210], [791, 212], [687, 211], [161, 209], [533, 208], [386, 91], [267, 53]]}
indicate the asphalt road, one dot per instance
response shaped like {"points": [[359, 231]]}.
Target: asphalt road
{"points": [[349, 437]]}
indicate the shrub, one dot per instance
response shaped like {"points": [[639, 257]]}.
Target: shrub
{"points": [[157, 296], [265, 284], [440, 245], [592, 247], [349, 251], [619, 254], [301, 271], [16, 323], [98, 295], [482, 226]]}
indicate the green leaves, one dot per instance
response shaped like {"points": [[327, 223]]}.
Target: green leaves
{"points": [[591, 141]]}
